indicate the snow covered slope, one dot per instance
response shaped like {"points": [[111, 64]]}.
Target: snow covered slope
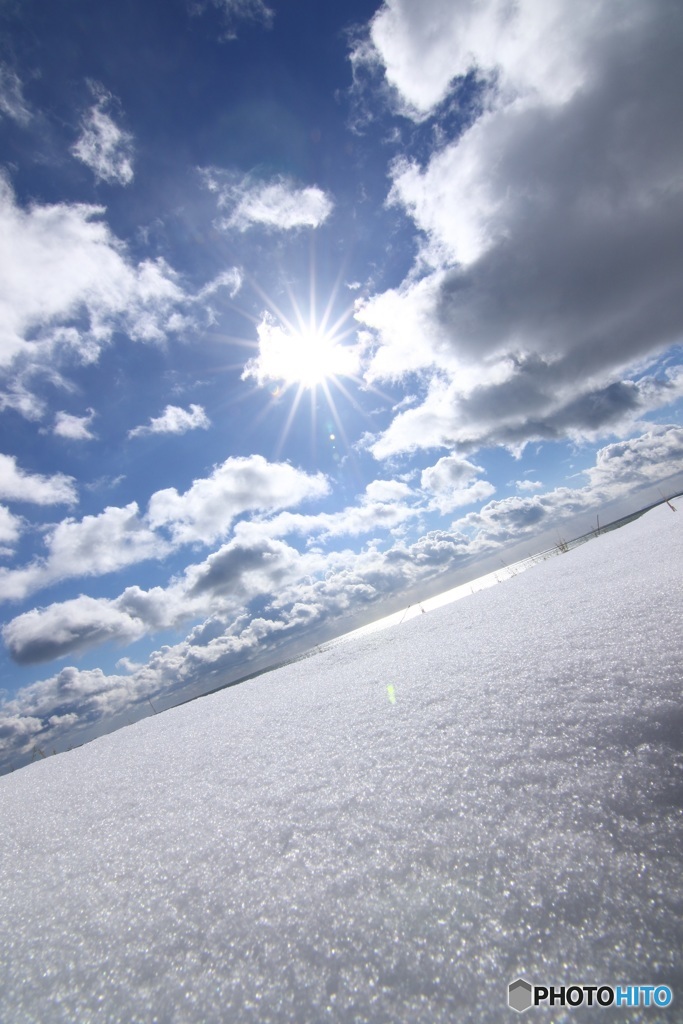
{"points": [[389, 831]]}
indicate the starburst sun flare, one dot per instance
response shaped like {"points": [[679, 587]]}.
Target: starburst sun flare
{"points": [[305, 356]]}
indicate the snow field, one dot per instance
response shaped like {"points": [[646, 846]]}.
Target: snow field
{"points": [[303, 848]]}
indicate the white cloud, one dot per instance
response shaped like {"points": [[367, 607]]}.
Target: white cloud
{"points": [[119, 537], [387, 490], [75, 428], [12, 102], [242, 569], [620, 469], [301, 590], [91, 546], [528, 485], [67, 285], [452, 483], [653, 456], [245, 568], [370, 517], [236, 11], [48, 708], [527, 402], [103, 146], [174, 420], [18, 485], [529, 46], [10, 529], [207, 510], [69, 627], [549, 224], [409, 339], [279, 204], [20, 398], [231, 279], [60, 264], [256, 564]]}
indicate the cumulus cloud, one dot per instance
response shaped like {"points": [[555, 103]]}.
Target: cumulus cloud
{"points": [[315, 587], [67, 628], [550, 260], [384, 506], [527, 402], [620, 469], [61, 265], [118, 537], [279, 204], [310, 587], [387, 491], [653, 456], [425, 48], [294, 594], [246, 568], [42, 714], [10, 529], [207, 510], [18, 485], [174, 420], [75, 428], [67, 285], [91, 546], [409, 341], [453, 483], [104, 147]]}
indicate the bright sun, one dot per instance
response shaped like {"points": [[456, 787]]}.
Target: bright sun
{"points": [[313, 357], [303, 356]]}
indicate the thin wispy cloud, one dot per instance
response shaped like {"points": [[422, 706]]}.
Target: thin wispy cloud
{"points": [[103, 146], [12, 102], [236, 13], [279, 205], [174, 420]]}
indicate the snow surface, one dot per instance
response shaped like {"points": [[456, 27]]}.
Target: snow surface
{"points": [[315, 846]]}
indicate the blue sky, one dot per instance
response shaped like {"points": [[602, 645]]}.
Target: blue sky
{"points": [[307, 309]]}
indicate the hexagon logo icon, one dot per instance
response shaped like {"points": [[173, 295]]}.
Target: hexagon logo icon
{"points": [[519, 995]]}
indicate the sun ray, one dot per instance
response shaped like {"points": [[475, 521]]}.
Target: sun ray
{"points": [[335, 414], [310, 348], [284, 433]]}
